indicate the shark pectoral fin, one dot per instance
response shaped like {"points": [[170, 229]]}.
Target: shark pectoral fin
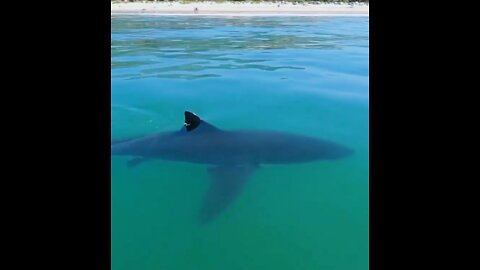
{"points": [[135, 161], [226, 184]]}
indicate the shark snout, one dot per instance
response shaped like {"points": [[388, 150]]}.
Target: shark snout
{"points": [[342, 152]]}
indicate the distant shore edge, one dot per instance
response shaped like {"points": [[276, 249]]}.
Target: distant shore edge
{"points": [[238, 9]]}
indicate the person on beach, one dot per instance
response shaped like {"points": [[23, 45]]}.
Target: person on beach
{"points": [[195, 10]]}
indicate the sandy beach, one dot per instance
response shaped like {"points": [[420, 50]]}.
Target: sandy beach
{"points": [[240, 9]]}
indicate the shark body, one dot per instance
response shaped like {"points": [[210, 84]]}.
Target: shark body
{"points": [[232, 156]]}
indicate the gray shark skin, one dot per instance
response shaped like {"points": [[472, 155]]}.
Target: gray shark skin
{"points": [[232, 156]]}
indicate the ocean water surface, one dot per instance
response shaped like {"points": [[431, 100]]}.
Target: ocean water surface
{"points": [[304, 75]]}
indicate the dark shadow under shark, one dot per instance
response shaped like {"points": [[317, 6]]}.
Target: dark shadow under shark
{"points": [[232, 155]]}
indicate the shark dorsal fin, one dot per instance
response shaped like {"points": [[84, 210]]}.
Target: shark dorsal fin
{"points": [[192, 121]]}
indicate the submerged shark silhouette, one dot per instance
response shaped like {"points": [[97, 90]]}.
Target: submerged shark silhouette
{"points": [[232, 155]]}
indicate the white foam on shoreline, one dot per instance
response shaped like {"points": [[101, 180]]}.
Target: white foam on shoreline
{"points": [[239, 14]]}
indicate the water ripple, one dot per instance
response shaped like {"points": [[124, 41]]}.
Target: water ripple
{"points": [[145, 45]]}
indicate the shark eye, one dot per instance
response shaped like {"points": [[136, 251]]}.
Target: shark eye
{"points": [[186, 124]]}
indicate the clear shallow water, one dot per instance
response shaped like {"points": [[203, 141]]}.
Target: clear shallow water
{"points": [[304, 75]]}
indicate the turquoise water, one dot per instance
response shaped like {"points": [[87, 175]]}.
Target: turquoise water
{"points": [[304, 75]]}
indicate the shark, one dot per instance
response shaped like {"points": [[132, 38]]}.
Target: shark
{"points": [[231, 156]]}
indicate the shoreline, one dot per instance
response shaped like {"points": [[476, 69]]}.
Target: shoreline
{"points": [[230, 9]]}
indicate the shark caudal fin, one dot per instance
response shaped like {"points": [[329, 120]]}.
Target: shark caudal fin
{"points": [[226, 184]]}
